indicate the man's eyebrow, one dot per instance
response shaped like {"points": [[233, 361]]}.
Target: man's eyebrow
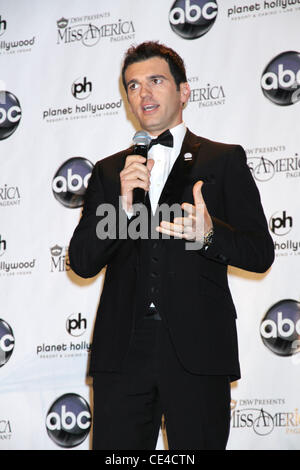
{"points": [[157, 76], [150, 77]]}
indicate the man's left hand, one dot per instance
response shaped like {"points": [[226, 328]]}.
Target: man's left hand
{"points": [[195, 225]]}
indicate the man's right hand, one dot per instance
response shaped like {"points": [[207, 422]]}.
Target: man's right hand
{"points": [[135, 174]]}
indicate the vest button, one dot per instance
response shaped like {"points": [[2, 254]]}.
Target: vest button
{"points": [[154, 290], [154, 274]]}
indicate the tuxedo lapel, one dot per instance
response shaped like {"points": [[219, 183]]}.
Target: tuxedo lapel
{"points": [[181, 171]]}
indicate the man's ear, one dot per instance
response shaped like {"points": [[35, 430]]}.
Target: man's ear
{"points": [[185, 92]]}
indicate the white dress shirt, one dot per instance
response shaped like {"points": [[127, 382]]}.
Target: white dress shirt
{"points": [[164, 159]]}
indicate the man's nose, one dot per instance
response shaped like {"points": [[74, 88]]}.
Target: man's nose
{"points": [[145, 90]]}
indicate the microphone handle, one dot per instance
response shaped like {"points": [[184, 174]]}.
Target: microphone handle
{"points": [[139, 194]]}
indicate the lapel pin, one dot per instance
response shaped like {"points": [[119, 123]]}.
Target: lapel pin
{"points": [[188, 156]]}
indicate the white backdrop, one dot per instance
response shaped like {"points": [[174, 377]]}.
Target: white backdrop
{"points": [[61, 99]]}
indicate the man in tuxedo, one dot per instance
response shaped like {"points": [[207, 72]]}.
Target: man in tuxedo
{"points": [[165, 339]]}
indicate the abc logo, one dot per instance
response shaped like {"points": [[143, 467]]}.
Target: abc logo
{"points": [[68, 420], [71, 180], [10, 114], [280, 80], [191, 19], [280, 328], [7, 342]]}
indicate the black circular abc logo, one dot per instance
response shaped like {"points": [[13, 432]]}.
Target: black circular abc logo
{"points": [[280, 81], [191, 19], [280, 328], [68, 420], [7, 342], [71, 180], [10, 114]]}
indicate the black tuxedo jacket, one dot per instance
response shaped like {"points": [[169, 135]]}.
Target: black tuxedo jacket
{"points": [[194, 297]]}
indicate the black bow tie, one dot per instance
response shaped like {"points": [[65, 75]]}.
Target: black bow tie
{"points": [[165, 139]]}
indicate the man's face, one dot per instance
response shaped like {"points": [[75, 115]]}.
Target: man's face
{"points": [[153, 96]]}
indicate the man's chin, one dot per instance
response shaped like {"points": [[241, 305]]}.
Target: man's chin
{"points": [[153, 128]]}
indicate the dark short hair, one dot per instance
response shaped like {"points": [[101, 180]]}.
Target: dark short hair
{"points": [[147, 50]]}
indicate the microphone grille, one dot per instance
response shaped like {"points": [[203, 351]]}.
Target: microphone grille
{"points": [[141, 138]]}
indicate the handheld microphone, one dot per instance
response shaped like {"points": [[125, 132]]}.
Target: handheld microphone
{"points": [[141, 141]]}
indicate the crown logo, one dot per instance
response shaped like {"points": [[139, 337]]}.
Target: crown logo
{"points": [[56, 250], [62, 23]]}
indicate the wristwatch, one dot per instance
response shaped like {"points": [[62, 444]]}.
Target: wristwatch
{"points": [[208, 239]]}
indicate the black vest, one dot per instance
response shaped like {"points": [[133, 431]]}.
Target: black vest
{"points": [[151, 256]]}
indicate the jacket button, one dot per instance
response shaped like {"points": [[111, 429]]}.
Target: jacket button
{"points": [[222, 258]]}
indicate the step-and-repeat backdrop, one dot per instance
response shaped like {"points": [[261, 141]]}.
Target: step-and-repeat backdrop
{"points": [[62, 108]]}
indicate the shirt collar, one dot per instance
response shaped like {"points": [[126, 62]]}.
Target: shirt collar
{"points": [[178, 133]]}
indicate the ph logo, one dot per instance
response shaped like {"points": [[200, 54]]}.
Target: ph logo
{"points": [[82, 89], [10, 114], [2, 246], [3, 25], [71, 181], [76, 325], [280, 80], [280, 223], [192, 19], [68, 420]]}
